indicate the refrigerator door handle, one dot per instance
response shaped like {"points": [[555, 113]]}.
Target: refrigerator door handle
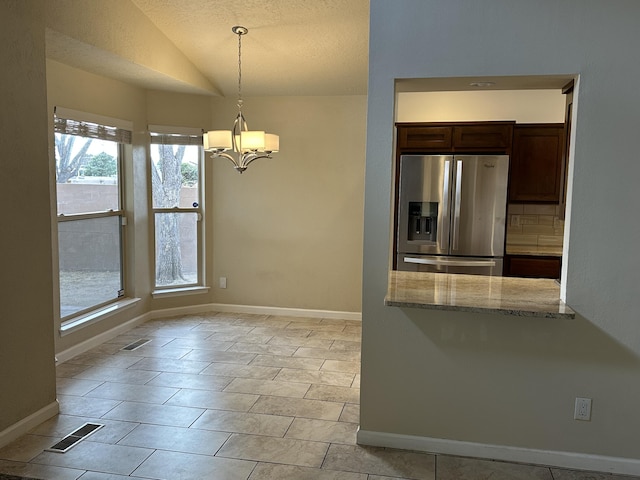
{"points": [[456, 206], [444, 232], [450, 262]]}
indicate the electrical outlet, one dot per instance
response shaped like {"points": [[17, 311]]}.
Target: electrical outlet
{"points": [[583, 409], [223, 282]]}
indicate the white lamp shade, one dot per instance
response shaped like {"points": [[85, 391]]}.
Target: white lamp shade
{"points": [[252, 140], [272, 142], [218, 140]]}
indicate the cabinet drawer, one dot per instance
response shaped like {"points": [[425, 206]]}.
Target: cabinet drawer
{"points": [[532, 266], [425, 137], [483, 136]]}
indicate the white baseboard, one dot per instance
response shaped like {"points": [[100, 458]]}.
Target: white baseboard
{"points": [[18, 429], [258, 310], [99, 339], [571, 460]]}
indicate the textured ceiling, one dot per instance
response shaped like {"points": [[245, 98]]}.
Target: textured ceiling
{"points": [[294, 47]]}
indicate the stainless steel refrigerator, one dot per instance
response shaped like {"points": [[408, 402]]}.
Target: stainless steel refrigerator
{"points": [[451, 213]]}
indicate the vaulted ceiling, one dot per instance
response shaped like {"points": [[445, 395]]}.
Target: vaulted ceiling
{"points": [[294, 47]]}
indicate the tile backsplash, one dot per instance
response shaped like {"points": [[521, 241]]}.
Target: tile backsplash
{"points": [[533, 224]]}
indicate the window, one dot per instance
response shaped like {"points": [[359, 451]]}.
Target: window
{"points": [[90, 216], [176, 165]]}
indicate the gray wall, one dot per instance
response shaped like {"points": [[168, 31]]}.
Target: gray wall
{"points": [[497, 379]]}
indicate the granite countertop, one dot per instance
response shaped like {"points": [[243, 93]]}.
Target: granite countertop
{"points": [[535, 250], [525, 297]]}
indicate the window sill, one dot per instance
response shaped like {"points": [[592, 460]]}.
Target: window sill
{"points": [[82, 321], [177, 292]]}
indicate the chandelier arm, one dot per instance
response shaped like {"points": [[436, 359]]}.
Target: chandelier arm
{"points": [[254, 156], [215, 154]]}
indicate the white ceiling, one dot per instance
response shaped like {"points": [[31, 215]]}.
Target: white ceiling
{"points": [[294, 47]]}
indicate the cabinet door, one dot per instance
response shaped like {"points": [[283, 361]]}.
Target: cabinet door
{"points": [[425, 137], [494, 136], [536, 163], [532, 266]]}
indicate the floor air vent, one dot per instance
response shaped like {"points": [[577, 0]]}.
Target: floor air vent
{"points": [[74, 437], [136, 344]]}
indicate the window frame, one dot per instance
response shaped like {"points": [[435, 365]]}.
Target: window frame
{"points": [[113, 130], [199, 286]]}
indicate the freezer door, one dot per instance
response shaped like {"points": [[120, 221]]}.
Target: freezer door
{"points": [[424, 204], [479, 204]]}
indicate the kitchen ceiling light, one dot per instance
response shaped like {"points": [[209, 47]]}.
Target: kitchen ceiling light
{"points": [[245, 145]]}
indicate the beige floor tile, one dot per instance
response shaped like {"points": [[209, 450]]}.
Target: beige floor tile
{"points": [[170, 365], [283, 332], [380, 461], [333, 335], [272, 471], [323, 431], [263, 349], [240, 402], [176, 465], [229, 329], [345, 346], [152, 349], [106, 476], [85, 406], [104, 360], [298, 407], [100, 457], [200, 343], [32, 470], [26, 447], [320, 378], [244, 337], [188, 380], [356, 381], [220, 356], [241, 371], [268, 387], [288, 362], [350, 413], [327, 354], [332, 393], [169, 415], [119, 375], [278, 450], [241, 422], [177, 439], [69, 370], [301, 342], [134, 393], [356, 329], [318, 327], [74, 386], [341, 366], [459, 468]]}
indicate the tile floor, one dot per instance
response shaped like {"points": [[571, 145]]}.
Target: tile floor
{"points": [[230, 396]]}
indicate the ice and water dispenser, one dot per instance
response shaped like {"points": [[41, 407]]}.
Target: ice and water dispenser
{"points": [[423, 221]]}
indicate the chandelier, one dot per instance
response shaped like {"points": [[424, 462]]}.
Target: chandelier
{"points": [[244, 145]]}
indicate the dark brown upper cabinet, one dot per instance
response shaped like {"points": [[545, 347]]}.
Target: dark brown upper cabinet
{"points": [[536, 163], [494, 137]]}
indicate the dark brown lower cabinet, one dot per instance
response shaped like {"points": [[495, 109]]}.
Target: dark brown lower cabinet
{"points": [[532, 266]]}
